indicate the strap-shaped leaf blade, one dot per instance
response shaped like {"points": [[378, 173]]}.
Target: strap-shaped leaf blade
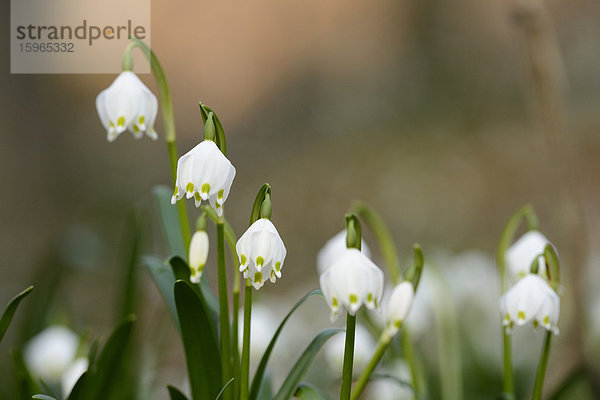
{"points": [[299, 369], [199, 343], [163, 278], [262, 366], [11, 308], [175, 393], [308, 392], [181, 270], [100, 381], [169, 220]]}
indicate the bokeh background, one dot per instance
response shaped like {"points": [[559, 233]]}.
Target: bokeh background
{"points": [[445, 116]]}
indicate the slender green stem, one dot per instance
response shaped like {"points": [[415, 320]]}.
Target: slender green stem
{"points": [[166, 107], [508, 387], [411, 359], [348, 357], [245, 378], [363, 379], [223, 306], [541, 372], [234, 344]]}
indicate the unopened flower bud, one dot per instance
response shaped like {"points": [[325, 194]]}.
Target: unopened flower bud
{"points": [[198, 255]]}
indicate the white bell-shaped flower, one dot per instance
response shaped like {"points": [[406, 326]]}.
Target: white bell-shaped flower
{"points": [[261, 252], [523, 252], [399, 306], [49, 354], [198, 255], [352, 280], [127, 104], [334, 248], [204, 173], [531, 299]]}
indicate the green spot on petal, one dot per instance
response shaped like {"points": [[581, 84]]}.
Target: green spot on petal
{"points": [[136, 128], [369, 297], [278, 266], [206, 188], [260, 261], [334, 302], [258, 277], [243, 259], [121, 121], [142, 119], [397, 323], [197, 197], [220, 194], [521, 315], [353, 299], [547, 320], [189, 187]]}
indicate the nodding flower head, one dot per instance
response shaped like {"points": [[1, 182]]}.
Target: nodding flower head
{"points": [[531, 299], [398, 306], [204, 173], [261, 252], [352, 281], [127, 104]]}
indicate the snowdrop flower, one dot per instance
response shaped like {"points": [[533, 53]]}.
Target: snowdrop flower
{"points": [[49, 354], [521, 254], [399, 306], [72, 374], [333, 249], [198, 255], [261, 252], [127, 104], [531, 299], [364, 347], [352, 280], [205, 174]]}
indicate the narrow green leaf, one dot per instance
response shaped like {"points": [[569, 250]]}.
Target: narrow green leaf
{"points": [[266, 389], [102, 380], [260, 371], [170, 220], [131, 256], [400, 382], [78, 390], [199, 343], [223, 388], [42, 397], [181, 270], [175, 394], [10, 309], [308, 392], [163, 278], [299, 369]]}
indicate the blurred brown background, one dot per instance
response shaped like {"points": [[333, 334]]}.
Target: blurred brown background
{"points": [[426, 109]]}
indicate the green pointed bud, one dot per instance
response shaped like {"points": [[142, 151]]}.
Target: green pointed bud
{"points": [[201, 222], [258, 201], [265, 208], [552, 266], [535, 266], [209, 128], [413, 273], [220, 132], [353, 232]]}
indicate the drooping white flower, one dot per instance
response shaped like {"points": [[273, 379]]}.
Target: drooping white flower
{"points": [[364, 347], [531, 299], [70, 377], [205, 174], [261, 252], [333, 249], [198, 255], [523, 252], [398, 306], [49, 354], [127, 104], [352, 280]]}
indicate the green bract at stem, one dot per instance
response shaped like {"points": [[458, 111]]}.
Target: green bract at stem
{"points": [[219, 131], [348, 357], [541, 371], [166, 106], [506, 238], [384, 238], [260, 209], [223, 307], [552, 266]]}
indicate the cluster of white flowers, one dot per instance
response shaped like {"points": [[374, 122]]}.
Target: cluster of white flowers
{"points": [[531, 298]]}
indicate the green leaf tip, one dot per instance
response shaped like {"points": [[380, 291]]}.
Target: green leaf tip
{"points": [[10, 310]]}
